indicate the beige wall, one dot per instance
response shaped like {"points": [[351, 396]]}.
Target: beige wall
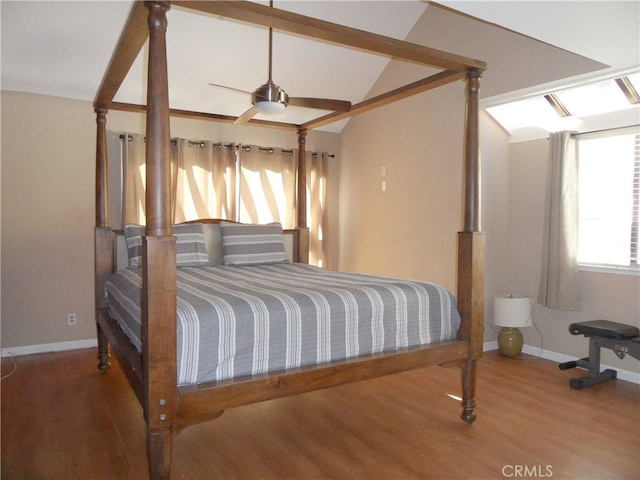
{"points": [[47, 214], [48, 164], [410, 230]]}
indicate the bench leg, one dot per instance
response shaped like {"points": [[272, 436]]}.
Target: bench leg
{"points": [[592, 364], [594, 356], [583, 382], [582, 363]]}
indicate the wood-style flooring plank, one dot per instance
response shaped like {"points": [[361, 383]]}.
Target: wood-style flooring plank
{"points": [[40, 430], [63, 419]]}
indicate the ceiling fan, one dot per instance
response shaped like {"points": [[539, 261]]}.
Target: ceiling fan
{"points": [[270, 99]]}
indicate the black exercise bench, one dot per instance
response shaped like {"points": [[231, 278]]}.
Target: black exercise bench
{"points": [[622, 339]]}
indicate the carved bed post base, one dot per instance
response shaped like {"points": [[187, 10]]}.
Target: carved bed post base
{"points": [[468, 391], [159, 445], [471, 248], [103, 351], [103, 268]]}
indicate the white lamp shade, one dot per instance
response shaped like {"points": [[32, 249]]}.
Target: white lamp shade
{"points": [[512, 311]]}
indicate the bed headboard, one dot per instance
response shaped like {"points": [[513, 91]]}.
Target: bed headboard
{"points": [[213, 241]]}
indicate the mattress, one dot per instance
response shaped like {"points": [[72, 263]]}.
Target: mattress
{"points": [[239, 321]]}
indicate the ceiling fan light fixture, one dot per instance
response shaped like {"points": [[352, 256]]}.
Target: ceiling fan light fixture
{"points": [[270, 107], [270, 99]]}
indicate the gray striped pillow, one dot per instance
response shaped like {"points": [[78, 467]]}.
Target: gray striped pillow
{"points": [[250, 244], [191, 250]]}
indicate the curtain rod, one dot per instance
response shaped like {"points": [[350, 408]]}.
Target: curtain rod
{"points": [[604, 130], [201, 144]]}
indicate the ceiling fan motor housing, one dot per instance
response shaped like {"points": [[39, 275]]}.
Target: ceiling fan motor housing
{"points": [[270, 92]]}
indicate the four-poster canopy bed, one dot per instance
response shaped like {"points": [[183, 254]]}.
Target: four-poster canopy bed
{"points": [[152, 369]]}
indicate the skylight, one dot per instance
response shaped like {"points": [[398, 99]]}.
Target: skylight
{"points": [[567, 108], [532, 112], [600, 97]]}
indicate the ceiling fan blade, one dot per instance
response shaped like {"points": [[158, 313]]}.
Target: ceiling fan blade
{"points": [[321, 103], [246, 116], [229, 88]]}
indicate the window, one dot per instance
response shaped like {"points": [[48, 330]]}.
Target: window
{"points": [[609, 163], [609, 176], [246, 183], [267, 185]]}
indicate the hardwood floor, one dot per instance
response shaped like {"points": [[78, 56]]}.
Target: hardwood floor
{"points": [[63, 419]]}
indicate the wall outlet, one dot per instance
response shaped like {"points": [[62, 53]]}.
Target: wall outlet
{"points": [[71, 319]]}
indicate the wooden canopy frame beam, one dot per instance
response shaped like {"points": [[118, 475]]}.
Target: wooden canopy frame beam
{"points": [[131, 41], [420, 86], [136, 32], [333, 33]]}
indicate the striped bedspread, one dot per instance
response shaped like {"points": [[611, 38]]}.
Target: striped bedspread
{"points": [[238, 321]]}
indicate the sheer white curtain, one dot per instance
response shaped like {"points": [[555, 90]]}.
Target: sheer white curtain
{"points": [[317, 164], [204, 180], [560, 279], [133, 179], [247, 183], [268, 185]]}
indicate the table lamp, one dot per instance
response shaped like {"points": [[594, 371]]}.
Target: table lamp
{"points": [[511, 312]]}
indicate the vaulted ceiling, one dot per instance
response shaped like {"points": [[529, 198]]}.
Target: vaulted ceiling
{"points": [[63, 48]]}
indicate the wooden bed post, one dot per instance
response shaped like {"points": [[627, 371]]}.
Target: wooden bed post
{"points": [[471, 247], [159, 259], [102, 233], [102, 184], [302, 255]]}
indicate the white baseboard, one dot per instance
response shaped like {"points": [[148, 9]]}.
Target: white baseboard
{"points": [[489, 346], [626, 375], [49, 347]]}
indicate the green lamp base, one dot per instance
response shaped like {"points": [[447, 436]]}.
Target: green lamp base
{"points": [[510, 341]]}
